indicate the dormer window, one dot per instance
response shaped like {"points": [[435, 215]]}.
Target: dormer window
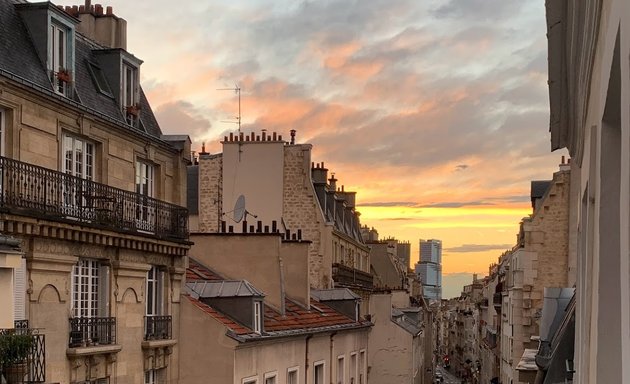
{"points": [[130, 95], [257, 316], [58, 54]]}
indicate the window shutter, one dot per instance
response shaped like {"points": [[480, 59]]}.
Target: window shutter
{"points": [[160, 293], [19, 291], [103, 290]]}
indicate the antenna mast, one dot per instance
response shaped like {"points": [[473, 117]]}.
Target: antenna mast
{"points": [[237, 90]]}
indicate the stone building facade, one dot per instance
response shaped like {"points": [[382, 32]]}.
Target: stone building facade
{"points": [[94, 192], [282, 189], [588, 94]]}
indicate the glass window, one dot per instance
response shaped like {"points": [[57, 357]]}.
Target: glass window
{"points": [[257, 316], [353, 367], [78, 157], [58, 57], [341, 370], [318, 373], [129, 95], [89, 289], [155, 284], [145, 210], [292, 376], [2, 130], [99, 79], [270, 378], [362, 366]]}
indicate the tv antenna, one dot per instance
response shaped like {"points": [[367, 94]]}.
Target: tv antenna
{"points": [[237, 90], [239, 212]]}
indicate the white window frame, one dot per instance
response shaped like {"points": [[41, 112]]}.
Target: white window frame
{"points": [[3, 127], [83, 154], [58, 57], [271, 375], [89, 290], [258, 314], [354, 359], [250, 380], [145, 187], [316, 364], [151, 376], [155, 292], [341, 369], [130, 90], [362, 366], [294, 370]]}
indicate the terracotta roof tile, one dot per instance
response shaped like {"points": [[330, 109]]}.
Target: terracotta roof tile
{"points": [[296, 318]]}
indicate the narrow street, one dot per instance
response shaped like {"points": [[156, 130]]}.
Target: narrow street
{"points": [[449, 378]]}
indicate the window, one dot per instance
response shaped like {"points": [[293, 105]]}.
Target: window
{"points": [[144, 187], [292, 375], [362, 365], [270, 378], [99, 79], [89, 289], [250, 380], [3, 115], [353, 368], [155, 286], [341, 370], [57, 53], [78, 157], [318, 373], [257, 316], [130, 93], [150, 376]]}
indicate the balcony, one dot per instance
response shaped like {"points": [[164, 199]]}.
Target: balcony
{"points": [[350, 277], [22, 356], [39, 192], [92, 331], [157, 328]]}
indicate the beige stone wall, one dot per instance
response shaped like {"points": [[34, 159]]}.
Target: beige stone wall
{"points": [[35, 127], [301, 211], [210, 190], [257, 258], [206, 356], [391, 348], [262, 360]]}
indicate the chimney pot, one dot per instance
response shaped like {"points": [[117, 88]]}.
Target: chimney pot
{"points": [[98, 10], [292, 136], [110, 10]]}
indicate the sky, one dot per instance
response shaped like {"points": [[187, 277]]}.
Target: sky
{"points": [[435, 112]]}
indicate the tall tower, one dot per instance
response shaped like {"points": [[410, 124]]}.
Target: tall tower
{"points": [[429, 268]]}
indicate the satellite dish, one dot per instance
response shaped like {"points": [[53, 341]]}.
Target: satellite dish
{"points": [[239, 209]]}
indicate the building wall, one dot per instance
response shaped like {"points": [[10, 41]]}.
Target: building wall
{"points": [[34, 129], [208, 354], [392, 349], [270, 358]]}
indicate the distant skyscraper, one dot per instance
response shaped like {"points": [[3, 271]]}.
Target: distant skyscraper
{"points": [[429, 269]]}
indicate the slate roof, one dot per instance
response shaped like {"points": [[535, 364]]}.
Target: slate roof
{"points": [[297, 320], [223, 288], [19, 61], [538, 190], [334, 294]]}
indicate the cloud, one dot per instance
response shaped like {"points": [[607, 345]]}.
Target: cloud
{"points": [[461, 167], [456, 204], [466, 248], [389, 204]]}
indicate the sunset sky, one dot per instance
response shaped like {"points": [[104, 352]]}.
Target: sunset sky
{"points": [[435, 112]]}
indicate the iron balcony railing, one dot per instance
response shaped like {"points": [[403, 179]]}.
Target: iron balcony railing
{"points": [[90, 331], [345, 275], [22, 356], [41, 192], [158, 327]]}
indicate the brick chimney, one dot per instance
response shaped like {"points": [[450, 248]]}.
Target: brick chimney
{"points": [[103, 27]]}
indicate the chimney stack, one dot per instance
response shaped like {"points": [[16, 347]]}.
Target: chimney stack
{"points": [[332, 182], [103, 27]]}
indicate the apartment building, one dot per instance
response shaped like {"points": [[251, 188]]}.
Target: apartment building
{"points": [[250, 316], [267, 179], [588, 93], [93, 192]]}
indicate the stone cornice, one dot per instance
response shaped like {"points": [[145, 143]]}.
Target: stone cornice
{"points": [[26, 227]]}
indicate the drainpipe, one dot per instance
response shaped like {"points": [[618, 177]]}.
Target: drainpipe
{"points": [[306, 359], [333, 361], [282, 290]]}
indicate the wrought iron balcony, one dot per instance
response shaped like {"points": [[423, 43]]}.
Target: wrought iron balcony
{"points": [[90, 331], [158, 327], [43, 193], [349, 276], [22, 356]]}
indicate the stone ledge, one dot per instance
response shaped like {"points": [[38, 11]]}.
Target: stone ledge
{"points": [[93, 350], [149, 344]]}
